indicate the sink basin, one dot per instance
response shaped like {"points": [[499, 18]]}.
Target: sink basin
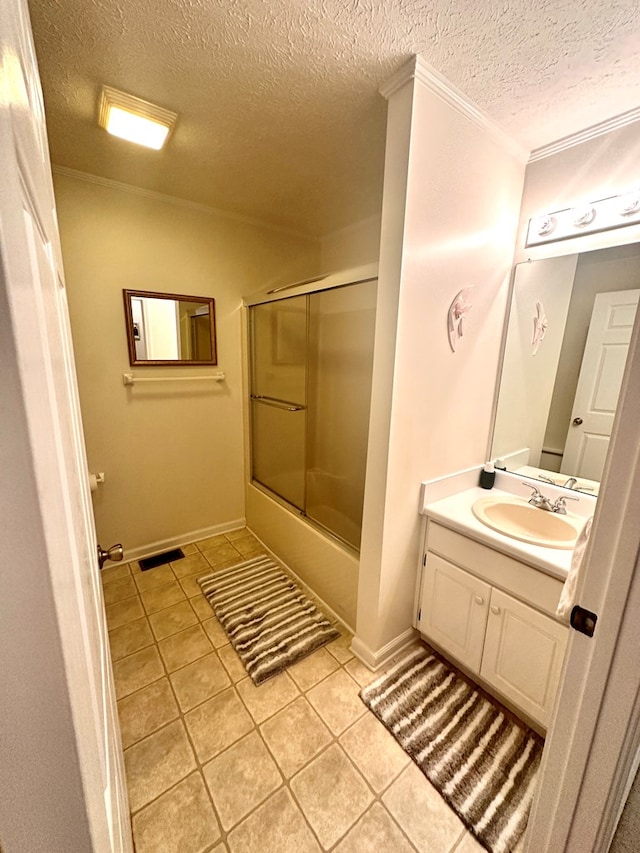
{"points": [[516, 518]]}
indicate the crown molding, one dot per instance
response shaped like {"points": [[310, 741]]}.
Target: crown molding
{"points": [[615, 123], [66, 172], [419, 69]]}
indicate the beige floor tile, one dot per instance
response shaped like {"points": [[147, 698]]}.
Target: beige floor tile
{"points": [[146, 711], [118, 590], [295, 735], [336, 700], [238, 533], [232, 663], [217, 723], [211, 542], [216, 632], [422, 813], [221, 553], [220, 848], [180, 821], [152, 578], [249, 547], [190, 585], [130, 638], [470, 845], [202, 607], [331, 794], [172, 619], [157, 763], [269, 697], [161, 597], [190, 549], [136, 671], [114, 573], [276, 827], [376, 754], [185, 647], [340, 648], [220, 563], [375, 831], [190, 565], [240, 779], [199, 681], [312, 669], [124, 612], [361, 673]]}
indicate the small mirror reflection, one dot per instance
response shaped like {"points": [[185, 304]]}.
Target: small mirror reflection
{"points": [[168, 328]]}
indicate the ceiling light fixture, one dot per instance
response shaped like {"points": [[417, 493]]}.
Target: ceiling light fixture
{"points": [[133, 119]]}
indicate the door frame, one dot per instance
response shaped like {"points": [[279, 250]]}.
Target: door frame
{"points": [[594, 736]]}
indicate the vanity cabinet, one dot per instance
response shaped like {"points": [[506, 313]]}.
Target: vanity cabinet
{"points": [[494, 616]]}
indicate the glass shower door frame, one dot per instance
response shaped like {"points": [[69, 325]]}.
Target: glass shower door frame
{"points": [[361, 275]]}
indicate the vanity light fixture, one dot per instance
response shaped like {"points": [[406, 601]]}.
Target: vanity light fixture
{"points": [[587, 218], [133, 119]]}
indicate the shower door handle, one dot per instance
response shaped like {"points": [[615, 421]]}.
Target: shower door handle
{"points": [[278, 404]]}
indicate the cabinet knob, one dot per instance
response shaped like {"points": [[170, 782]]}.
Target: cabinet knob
{"points": [[495, 609], [479, 599]]}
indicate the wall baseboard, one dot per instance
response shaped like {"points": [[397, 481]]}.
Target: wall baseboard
{"points": [[182, 539], [374, 660]]}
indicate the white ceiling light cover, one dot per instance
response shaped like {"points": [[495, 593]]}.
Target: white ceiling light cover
{"points": [[133, 119]]}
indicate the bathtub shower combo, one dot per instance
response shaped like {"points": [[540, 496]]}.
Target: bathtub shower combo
{"points": [[311, 355]]}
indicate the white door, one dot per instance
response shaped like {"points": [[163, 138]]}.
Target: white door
{"points": [[594, 739], [32, 280], [453, 610], [603, 363], [523, 655]]}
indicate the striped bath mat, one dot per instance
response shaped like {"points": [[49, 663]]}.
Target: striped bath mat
{"points": [[483, 763], [271, 623]]}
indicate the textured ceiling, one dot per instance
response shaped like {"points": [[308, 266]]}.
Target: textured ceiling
{"points": [[279, 113]]}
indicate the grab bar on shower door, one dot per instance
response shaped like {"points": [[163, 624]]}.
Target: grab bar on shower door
{"points": [[278, 404]]}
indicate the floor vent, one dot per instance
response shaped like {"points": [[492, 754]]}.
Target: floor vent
{"points": [[160, 559]]}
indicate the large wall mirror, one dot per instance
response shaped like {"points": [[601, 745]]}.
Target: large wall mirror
{"points": [[568, 335], [170, 328]]}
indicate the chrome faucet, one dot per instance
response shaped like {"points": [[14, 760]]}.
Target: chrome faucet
{"points": [[541, 501], [570, 483]]}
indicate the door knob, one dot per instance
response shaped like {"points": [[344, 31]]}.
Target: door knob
{"points": [[115, 554], [577, 421]]}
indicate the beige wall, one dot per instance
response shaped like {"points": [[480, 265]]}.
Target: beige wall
{"points": [[172, 454], [458, 199], [352, 246]]}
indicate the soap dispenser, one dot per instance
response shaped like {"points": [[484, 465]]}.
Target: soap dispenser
{"points": [[487, 476]]}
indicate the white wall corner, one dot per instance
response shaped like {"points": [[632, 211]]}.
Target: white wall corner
{"points": [[419, 69], [376, 659]]}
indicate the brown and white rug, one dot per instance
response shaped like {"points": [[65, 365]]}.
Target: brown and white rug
{"points": [[269, 620], [481, 761]]}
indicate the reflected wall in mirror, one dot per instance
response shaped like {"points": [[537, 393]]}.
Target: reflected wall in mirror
{"points": [[556, 406], [170, 328]]}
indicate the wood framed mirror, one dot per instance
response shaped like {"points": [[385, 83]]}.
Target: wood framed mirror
{"points": [[170, 328]]}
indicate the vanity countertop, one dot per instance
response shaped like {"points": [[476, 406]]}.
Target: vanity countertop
{"points": [[455, 513]]}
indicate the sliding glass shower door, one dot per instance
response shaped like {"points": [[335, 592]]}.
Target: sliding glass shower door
{"points": [[311, 362]]}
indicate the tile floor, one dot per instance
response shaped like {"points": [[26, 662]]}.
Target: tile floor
{"points": [[214, 763]]}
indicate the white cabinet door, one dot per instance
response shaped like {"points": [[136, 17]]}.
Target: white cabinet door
{"points": [[523, 654], [453, 610]]}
